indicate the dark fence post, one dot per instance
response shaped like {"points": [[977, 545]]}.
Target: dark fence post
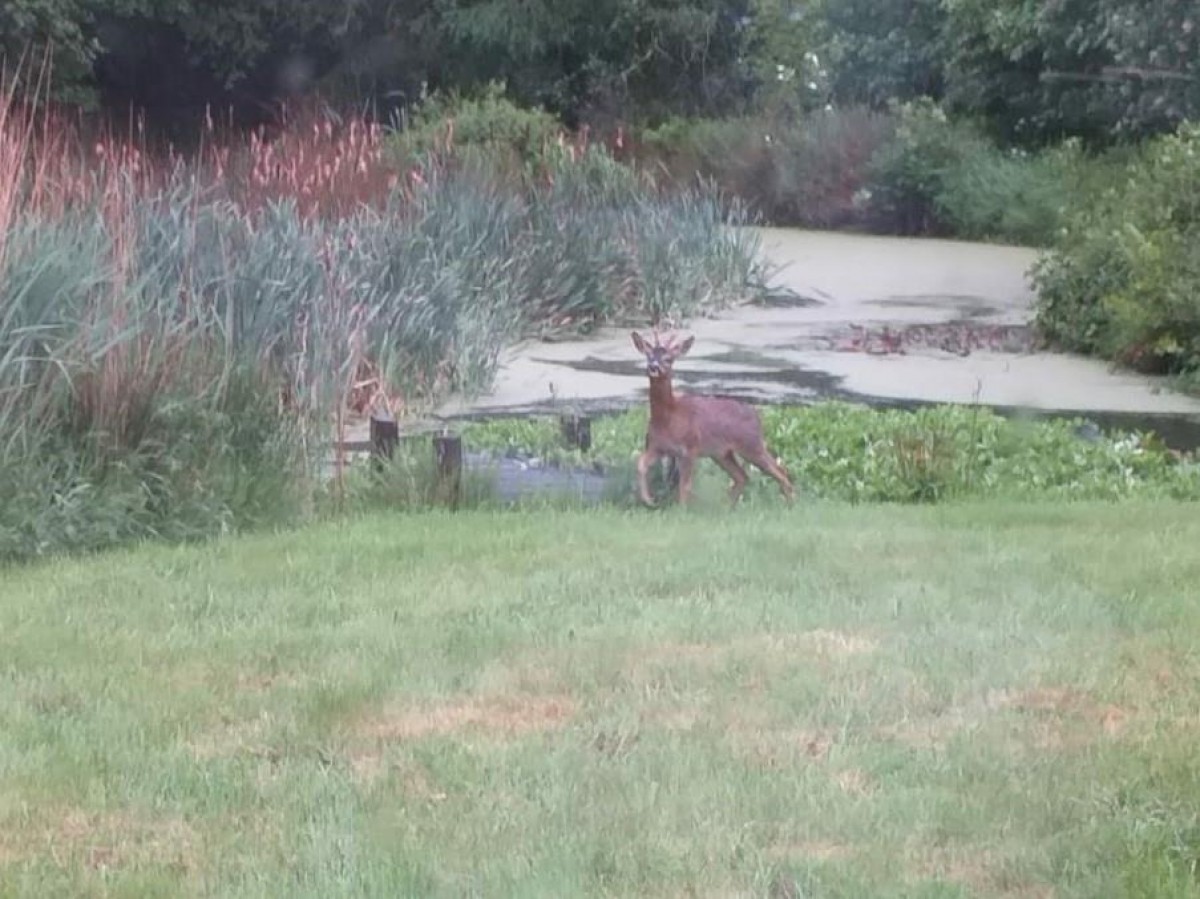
{"points": [[385, 434], [576, 431], [447, 453]]}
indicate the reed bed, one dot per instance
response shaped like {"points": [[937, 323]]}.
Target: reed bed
{"points": [[181, 337]]}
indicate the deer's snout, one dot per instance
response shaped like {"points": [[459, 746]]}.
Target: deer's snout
{"points": [[657, 365]]}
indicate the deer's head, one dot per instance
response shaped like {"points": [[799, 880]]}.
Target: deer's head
{"points": [[660, 355]]}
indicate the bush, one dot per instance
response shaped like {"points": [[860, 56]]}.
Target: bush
{"points": [[1016, 196], [1123, 279], [908, 175], [206, 464], [946, 177], [486, 129], [912, 171], [806, 173]]}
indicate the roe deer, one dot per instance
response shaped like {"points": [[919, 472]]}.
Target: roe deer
{"points": [[687, 427]]}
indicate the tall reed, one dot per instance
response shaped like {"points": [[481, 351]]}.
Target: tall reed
{"points": [[180, 339]]}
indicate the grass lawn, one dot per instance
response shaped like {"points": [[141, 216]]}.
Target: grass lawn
{"points": [[975, 700]]}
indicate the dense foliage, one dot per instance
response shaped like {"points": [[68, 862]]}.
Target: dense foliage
{"points": [[1034, 71], [1096, 69], [911, 170], [1124, 278]]}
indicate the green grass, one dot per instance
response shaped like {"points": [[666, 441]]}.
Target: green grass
{"points": [[956, 700]]}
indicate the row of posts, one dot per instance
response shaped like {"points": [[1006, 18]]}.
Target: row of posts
{"points": [[448, 450]]}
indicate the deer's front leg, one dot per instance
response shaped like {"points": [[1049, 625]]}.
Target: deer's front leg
{"points": [[645, 461], [687, 466]]}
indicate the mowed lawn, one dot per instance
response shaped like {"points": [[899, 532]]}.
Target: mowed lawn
{"points": [[979, 700]]}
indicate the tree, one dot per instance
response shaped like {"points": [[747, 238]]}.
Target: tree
{"points": [[581, 57], [176, 58], [1037, 71], [34, 32], [779, 51], [1155, 76], [1099, 69], [878, 52]]}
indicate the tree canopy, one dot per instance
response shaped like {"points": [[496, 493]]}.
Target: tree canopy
{"points": [[1034, 71]]}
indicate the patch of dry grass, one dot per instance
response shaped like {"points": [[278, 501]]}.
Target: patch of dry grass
{"points": [[490, 718], [1047, 718], [981, 870], [104, 841]]}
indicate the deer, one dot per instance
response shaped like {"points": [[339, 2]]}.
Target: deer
{"points": [[686, 427]]}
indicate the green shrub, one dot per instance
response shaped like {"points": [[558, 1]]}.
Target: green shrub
{"points": [[694, 145], [1123, 279], [911, 171], [944, 176], [909, 174], [1016, 196], [820, 166], [485, 129], [855, 453], [806, 172]]}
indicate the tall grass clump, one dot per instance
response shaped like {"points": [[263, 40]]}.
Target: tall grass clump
{"points": [[181, 339], [131, 404], [605, 242]]}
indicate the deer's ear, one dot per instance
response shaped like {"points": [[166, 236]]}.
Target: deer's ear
{"points": [[682, 348], [639, 342]]}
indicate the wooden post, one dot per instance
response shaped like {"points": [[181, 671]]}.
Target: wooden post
{"points": [[447, 454], [576, 431], [385, 434]]}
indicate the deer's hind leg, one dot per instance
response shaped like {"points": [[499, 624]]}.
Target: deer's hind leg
{"points": [[729, 462], [687, 468], [763, 461]]}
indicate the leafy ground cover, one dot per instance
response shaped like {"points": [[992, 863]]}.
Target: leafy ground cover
{"points": [[854, 453]]}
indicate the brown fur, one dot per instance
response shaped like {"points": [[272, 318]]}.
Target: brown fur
{"points": [[686, 428]]}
